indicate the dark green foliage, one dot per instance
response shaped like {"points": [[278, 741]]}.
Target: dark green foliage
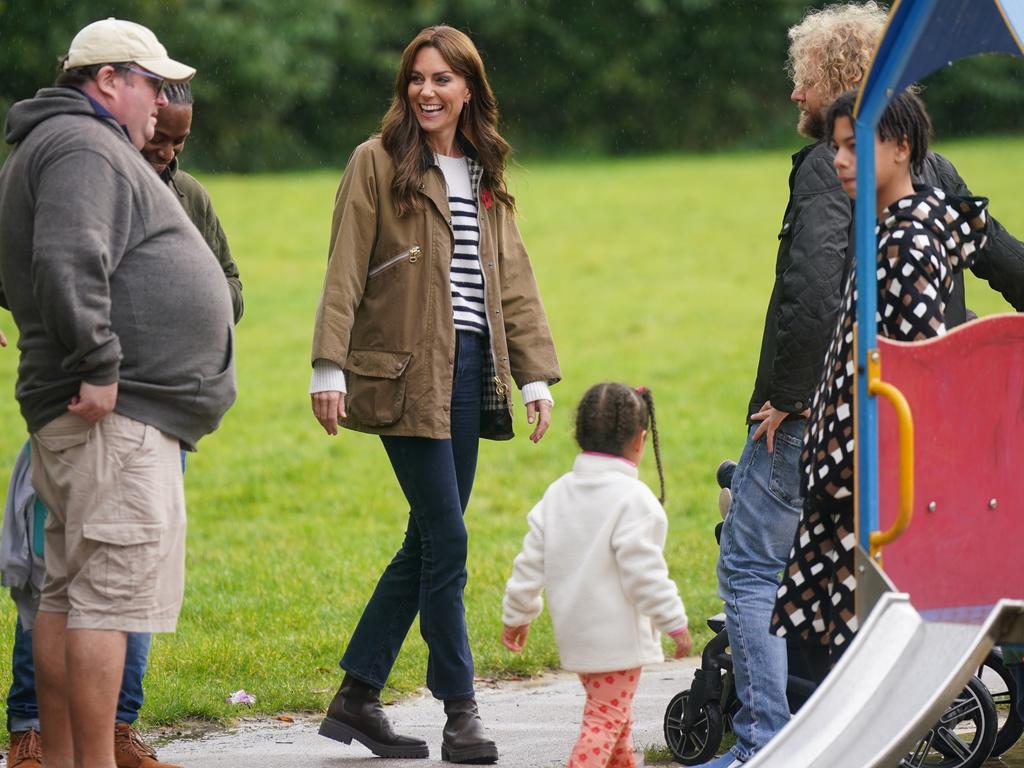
{"points": [[298, 83]]}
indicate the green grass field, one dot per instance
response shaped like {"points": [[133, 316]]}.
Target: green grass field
{"points": [[654, 271]]}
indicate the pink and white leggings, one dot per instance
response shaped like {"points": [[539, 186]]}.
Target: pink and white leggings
{"points": [[607, 723]]}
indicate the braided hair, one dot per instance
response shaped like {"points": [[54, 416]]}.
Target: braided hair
{"points": [[610, 415], [179, 93], [904, 119]]}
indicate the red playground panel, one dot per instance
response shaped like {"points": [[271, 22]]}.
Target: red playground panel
{"points": [[965, 543]]}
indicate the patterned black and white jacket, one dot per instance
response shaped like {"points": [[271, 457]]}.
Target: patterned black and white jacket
{"points": [[923, 240]]}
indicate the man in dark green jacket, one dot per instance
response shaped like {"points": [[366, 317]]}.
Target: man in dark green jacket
{"points": [[173, 126]]}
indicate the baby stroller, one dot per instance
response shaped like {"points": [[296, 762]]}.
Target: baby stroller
{"points": [[980, 723]]}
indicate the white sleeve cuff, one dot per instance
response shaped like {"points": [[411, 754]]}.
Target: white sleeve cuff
{"points": [[327, 377], [537, 390]]}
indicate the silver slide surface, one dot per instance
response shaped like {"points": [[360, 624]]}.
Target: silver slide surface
{"points": [[890, 687]]}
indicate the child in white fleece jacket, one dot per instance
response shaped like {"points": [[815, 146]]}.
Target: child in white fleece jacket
{"points": [[595, 545]]}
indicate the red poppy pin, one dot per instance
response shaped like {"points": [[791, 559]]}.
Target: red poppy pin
{"points": [[487, 198]]}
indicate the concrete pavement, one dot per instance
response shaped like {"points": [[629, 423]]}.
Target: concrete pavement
{"points": [[534, 723]]}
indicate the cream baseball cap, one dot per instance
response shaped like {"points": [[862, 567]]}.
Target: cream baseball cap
{"points": [[113, 40]]}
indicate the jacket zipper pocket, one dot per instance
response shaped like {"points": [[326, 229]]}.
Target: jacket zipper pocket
{"points": [[412, 254]]}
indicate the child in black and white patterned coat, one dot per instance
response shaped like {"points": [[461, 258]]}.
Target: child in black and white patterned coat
{"points": [[924, 237]]}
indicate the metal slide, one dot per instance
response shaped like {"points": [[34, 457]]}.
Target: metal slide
{"points": [[890, 687]]}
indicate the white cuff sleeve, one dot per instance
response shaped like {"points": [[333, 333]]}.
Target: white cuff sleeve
{"points": [[537, 390], [327, 377]]}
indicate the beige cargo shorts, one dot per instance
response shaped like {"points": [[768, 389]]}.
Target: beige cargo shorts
{"points": [[115, 534]]}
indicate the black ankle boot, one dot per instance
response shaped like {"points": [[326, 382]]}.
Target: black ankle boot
{"points": [[464, 739], [356, 713]]}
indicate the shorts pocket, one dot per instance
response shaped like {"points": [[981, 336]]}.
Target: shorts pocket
{"points": [[126, 528], [126, 560], [784, 482], [124, 439], [376, 386], [62, 436]]}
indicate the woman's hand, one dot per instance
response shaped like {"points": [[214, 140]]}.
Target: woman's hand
{"points": [[539, 411], [329, 408], [514, 638]]}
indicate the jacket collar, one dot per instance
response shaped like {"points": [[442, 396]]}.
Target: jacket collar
{"points": [[168, 177], [170, 170], [432, 185], [800, 155], [594, 463]]}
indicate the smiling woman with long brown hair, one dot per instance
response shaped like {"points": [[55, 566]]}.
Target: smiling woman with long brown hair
{"points": [[429, 314]]}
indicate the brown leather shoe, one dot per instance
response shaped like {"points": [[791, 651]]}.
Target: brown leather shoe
{"points": [[26, 750], [130, 751]]}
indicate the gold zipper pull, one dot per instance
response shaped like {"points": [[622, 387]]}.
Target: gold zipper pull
{"points": [[414, 253], [500, 387]]}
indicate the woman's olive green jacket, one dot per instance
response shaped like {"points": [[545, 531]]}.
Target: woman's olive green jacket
{"points": [[385, 314]]}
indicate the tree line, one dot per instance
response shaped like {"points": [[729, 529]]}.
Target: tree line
{"points": [[286, 84]]}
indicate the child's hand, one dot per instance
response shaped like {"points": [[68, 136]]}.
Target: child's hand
{"points": [[514, 638], [683, 644]]}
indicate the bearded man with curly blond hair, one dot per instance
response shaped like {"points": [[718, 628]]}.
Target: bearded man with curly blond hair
{"points": [[830, 52]]}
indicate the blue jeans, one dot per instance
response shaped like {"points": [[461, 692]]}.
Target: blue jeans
{"points": [[756, 541], [428, 574], [22, 708]]}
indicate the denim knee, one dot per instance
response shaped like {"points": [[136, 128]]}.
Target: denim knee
{"points": [[448, 555]]}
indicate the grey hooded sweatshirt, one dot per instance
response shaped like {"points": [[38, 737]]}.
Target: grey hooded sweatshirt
{"points": [[106, 277]]}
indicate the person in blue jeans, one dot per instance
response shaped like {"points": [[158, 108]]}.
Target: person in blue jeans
{"points": [[758, 531], [429, 314]]}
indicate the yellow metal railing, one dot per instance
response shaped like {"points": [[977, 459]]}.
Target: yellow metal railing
{"points": [[905, 422]]}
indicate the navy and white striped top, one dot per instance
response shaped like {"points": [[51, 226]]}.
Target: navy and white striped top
{"points": [[467, 280]]}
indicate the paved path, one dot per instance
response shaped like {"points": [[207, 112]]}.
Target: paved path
{"points": [[533, 722]]}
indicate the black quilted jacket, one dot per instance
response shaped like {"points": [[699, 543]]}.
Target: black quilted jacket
{"points": [[812, 263]]}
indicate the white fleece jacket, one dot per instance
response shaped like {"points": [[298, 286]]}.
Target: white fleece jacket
{"points": [[595, 545]]}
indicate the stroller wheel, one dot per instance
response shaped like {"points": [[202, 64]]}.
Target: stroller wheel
{"points": [[697, 743], [1003, 687], [964, 735]]}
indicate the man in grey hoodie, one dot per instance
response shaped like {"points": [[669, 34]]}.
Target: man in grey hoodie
{"points": [[125, 326]]}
